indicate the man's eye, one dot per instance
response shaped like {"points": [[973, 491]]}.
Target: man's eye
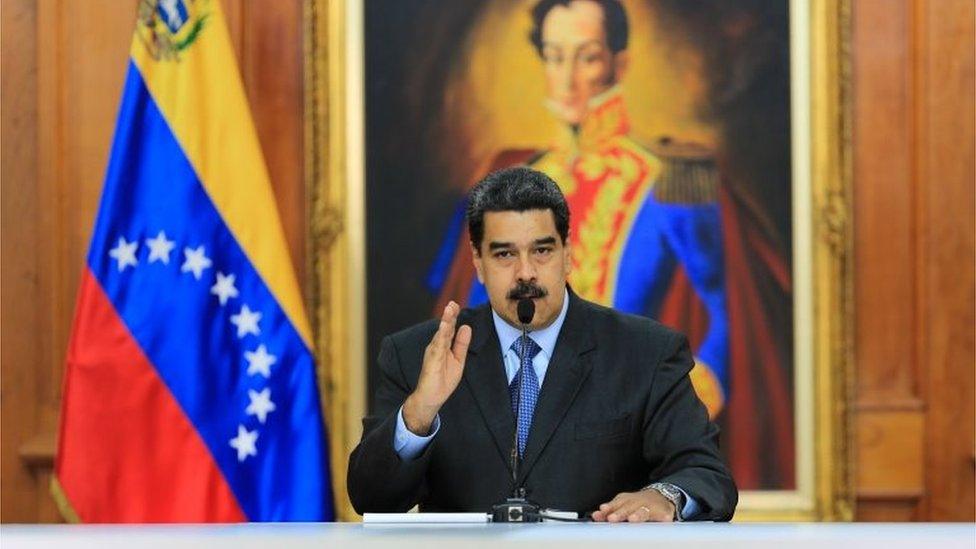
{"points": [[543, 251], [503, 254]]}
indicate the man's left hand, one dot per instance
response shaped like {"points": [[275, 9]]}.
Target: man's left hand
{"points": [[643, 506]]}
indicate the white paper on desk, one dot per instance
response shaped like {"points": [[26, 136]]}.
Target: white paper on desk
{"points": [[425, 518], [558, 514]]}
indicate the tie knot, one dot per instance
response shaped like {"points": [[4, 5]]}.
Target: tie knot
{"points": [[531, 347]]}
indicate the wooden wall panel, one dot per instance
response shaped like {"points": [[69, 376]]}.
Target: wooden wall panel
{"points": [[273, 77], [947, 168], [18, 248], [913, 93], [63, 69], [883, 176], [887, 394], [268, 41], [891, 458]]}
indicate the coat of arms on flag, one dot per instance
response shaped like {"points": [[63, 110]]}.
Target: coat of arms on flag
{"points": [[167, 27]]}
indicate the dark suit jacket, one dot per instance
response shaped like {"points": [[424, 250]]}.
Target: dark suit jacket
{"points": [[616, 412]]}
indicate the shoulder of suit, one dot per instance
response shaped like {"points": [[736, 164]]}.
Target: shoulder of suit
{"points": [[609, 320]]}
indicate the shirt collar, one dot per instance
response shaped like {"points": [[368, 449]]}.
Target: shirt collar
{"points": [[545, 338]]}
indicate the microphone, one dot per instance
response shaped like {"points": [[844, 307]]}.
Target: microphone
{"points": [[526, 310], [517, 508]]}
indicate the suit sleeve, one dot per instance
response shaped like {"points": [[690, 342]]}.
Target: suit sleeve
{"points": [[680, 441], [378, 480]]}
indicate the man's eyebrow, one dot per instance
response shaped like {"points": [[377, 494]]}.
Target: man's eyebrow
{"points": [[593, 41], [546, 240], [550, 44], [499, 245]]}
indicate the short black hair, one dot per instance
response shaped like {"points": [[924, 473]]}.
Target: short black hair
{"points": [[516, 189], [614, 22]]}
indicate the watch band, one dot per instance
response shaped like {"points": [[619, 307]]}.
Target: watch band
{"points": [[672, 494]]}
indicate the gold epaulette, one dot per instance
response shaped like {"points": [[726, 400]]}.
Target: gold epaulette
{"points": [[688, 175]]}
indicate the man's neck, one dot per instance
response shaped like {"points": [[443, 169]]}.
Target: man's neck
{"points": [[606, 118]]}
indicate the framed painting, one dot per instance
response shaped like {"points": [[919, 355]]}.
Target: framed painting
{"points": [[703, 148]]}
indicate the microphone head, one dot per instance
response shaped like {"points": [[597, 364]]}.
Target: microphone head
{"points": [[526, 310]]}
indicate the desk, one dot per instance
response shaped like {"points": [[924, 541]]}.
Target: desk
{"points": [[495, 536]]}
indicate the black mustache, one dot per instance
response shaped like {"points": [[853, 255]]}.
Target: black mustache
{"points": [[527, 290]]}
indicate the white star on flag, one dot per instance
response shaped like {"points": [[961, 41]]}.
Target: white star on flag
{"points": [[246, 322], [196, 261], [224, 288], [125, 253], [159, 248], [245, 443], [259, 361], [260, 405]]}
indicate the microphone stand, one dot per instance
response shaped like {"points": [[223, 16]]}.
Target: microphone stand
{"points": [[517, 508]]}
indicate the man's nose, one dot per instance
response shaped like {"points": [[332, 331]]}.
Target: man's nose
{"points": [[566, 77], [526, 268]]}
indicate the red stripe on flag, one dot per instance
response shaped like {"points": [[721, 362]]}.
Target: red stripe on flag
{"points": [[127, 452]]}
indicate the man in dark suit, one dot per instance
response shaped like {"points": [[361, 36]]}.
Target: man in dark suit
{"points": [[607, 421]]}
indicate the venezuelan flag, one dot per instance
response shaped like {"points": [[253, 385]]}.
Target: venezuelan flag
{"points": [[190, 391]]}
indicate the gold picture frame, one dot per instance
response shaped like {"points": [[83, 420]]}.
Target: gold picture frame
{"points": [[335, 187]]}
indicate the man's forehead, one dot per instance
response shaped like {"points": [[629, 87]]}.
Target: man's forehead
{"points": [[578, 23], [518, 227]]}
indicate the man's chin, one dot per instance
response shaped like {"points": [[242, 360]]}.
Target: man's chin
{"points": [[573, 119], [569, 114], [511, 313]]}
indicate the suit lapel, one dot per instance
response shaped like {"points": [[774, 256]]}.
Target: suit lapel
{"points": [[484, 375], [564, 377]]}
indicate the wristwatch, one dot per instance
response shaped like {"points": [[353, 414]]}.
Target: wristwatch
{"points": [[672, 494]]}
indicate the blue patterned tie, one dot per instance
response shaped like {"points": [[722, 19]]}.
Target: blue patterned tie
{"points": [[530, 389]]}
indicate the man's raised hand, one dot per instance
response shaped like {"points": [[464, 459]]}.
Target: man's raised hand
{"points": [[440, 373]]}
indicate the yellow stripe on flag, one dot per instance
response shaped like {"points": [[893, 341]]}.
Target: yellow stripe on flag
{"points": [[201, 95]]}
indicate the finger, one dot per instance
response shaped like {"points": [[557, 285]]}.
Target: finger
{"points": [[652, 512], [637, 512], [445, 330], [617, 510], [630, 507], [461, 342], [608, 508], [598, 516], [622, 496], [448, 321], [452, 310], [612, 505]]}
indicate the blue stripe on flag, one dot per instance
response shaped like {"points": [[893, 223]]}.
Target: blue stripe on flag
{"points": [[189, 335]]}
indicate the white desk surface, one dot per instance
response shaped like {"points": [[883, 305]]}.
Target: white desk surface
{"points": [[495, 536]]}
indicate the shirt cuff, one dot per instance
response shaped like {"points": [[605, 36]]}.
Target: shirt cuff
{"points": [[409, 445], [691, 506]]}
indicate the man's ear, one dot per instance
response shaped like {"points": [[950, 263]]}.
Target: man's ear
{"points": [[567, 258], [621, 62], [476, 259]]}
